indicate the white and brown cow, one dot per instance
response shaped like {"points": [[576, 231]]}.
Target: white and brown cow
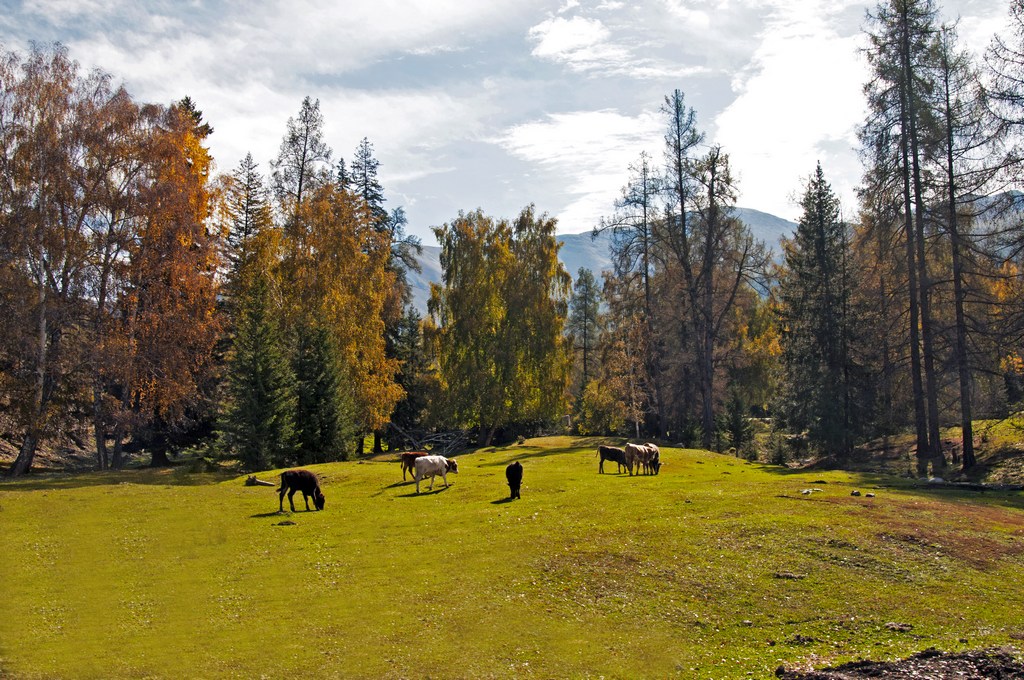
{"points": [[432, 466]]}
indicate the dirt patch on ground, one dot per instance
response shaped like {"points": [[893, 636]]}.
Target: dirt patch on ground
{"points": [[975, 665]]}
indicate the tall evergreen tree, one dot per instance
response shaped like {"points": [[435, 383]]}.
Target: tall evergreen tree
{"points": [[258, 421], [247, 207], [324, 417], [582, 325], [363, 179], [405, 340], [814, 297]]}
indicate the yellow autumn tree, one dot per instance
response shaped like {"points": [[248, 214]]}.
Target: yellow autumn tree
{"points": [[337, 281], [497, 322], [169, 312]]}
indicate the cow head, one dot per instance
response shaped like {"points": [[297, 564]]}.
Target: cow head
{"points": [[318, 500], [452, 465]]}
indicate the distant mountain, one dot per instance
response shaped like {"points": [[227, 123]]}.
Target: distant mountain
{"points": [[584, 250]]}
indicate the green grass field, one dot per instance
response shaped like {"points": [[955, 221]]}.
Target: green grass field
{"points": [[716, 568]]}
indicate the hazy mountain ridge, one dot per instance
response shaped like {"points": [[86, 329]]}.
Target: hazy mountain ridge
{"points": [[593, 252]]}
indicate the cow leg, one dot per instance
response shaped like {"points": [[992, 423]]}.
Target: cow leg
{"points": [[280, 498], [600, 467], [417, 476], [291, 500], [444, 476], [305, 497], [431, 487]]}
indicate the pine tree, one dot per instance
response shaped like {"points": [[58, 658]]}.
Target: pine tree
{"points": [[814, 296], [323, 415], [258, 422], [363, 179], [405, 341], [583, 322], [247, 207], [342, 176]]}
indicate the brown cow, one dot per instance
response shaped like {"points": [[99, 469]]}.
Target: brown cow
{"points": [[638, 456], [409, 462], [654, 462]]}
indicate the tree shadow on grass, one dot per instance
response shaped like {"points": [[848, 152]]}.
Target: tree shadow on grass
{"points": [[275, 513], [507, 455], [163, 476]]}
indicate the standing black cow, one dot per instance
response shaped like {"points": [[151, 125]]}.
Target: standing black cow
{"points": [[304, 481], [614, 454], [514, 475]]}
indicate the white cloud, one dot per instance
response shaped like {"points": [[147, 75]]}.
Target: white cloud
{"points": [[578, 42], [590, 151], [799, 102], [691, 19], [587, 45]]}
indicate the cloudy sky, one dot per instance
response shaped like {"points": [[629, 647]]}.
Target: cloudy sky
{"points": [[501, 103]]}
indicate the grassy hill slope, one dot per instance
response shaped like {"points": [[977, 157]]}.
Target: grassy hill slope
{"points": [[715, 568]]}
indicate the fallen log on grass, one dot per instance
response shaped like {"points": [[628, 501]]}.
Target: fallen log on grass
{"points": [[252, 481]]}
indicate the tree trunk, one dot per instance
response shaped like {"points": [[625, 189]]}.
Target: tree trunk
{"points": [[117, 456], [960, 350], [159, 452], [490, 435], [930, 441], [920, 418], [26, 454], [99, 429], [33, 433]]}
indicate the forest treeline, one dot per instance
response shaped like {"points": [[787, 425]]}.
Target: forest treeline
{"points": [[147, 302]]}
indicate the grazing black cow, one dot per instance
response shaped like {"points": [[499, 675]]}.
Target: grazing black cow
{"points": [[304, 481], [614, 454], [514, 475]]}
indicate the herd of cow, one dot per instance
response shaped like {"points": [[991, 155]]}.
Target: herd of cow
{"points": [[637, 457], [646, 457]]}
